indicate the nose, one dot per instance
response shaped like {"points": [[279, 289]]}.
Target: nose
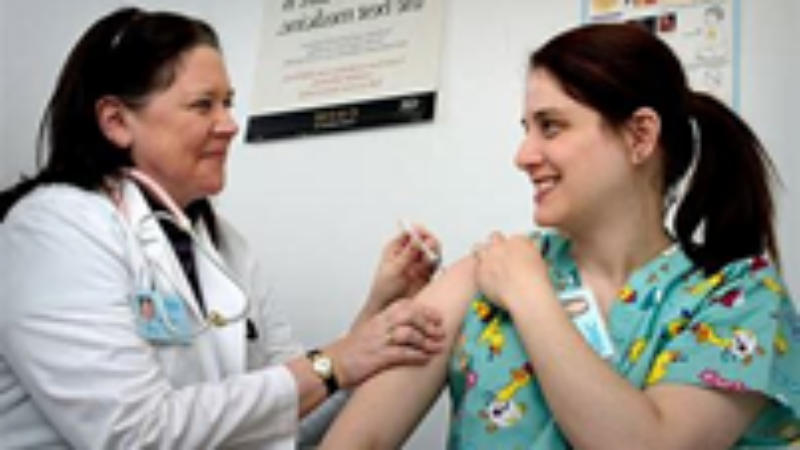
{"points": [[226, 124], [529, 154]]}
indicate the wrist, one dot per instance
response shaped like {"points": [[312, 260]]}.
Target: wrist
{"points": [[379, 297], [323, 364]]}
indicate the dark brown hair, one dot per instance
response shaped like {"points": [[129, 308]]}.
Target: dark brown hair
{"points": [[616, 69], [129, 54]]}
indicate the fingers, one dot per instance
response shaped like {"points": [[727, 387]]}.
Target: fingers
{"points": [[408, 336], [398, 243], [420, 244], [496, 237], [411, 326], [480, 250], [407, 314], [408, 345], [477, 251], [404, 333], [428, 239]]}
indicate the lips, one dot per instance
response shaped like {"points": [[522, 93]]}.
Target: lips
{"points": [[216, 154], [544, 186]]}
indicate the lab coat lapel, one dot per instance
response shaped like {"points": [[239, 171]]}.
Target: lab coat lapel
{"points": [[222, 350], [223, 296], [156, 247]]}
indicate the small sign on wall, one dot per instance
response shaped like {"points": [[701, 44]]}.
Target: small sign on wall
{"points": [[334, 65], [703, 33]]}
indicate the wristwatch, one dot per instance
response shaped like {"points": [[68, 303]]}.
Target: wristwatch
{"points": [[322, 365]]}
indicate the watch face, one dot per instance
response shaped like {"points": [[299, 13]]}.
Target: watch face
{"points": [[323, 365]]}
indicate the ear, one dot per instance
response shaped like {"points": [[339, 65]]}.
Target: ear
{"points": [[641, 134], [113, 122]]}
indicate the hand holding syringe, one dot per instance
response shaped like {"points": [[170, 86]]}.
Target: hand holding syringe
{"points": [[430, 255]]}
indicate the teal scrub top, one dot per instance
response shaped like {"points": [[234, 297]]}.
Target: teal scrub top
{"points": [[736, 330]]}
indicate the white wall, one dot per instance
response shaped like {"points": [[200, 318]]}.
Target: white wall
{"points": [[318, 210], [3, 171], [770, 102]]}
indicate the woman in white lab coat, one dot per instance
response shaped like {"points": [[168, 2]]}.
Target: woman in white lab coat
{"points": [[132, 316]]}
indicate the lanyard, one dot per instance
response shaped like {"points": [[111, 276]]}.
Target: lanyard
{"points": [[163, 317]]}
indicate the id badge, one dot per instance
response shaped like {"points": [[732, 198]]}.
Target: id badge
{"points": [[582, 307], [162, 318]]}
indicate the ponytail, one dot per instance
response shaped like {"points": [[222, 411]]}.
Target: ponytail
{"points": [[712, 160], [728, 211]]}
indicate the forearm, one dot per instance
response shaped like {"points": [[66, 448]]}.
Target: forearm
{"points": [[311, 390], [597, 408], [384, 411], [594, 406]]}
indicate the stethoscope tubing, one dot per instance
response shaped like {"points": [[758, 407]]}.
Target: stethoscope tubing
{"points": [[175, 215]]}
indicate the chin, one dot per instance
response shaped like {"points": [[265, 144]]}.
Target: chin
{"points": [[213, 185], [216, 189], [208, 190], [543, 219]]}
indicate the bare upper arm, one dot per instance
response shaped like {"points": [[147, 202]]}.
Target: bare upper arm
{"points": [[385, 409], [450, 293]]}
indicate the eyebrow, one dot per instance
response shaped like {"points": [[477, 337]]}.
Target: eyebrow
{"points": [[540, 114], [547, 112], [210, 91]]}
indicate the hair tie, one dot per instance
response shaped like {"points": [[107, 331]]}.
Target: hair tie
{"points": [[677, 194], [695, 127]]}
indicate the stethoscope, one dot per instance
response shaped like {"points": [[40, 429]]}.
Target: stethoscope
{"points": [[174, 215]]}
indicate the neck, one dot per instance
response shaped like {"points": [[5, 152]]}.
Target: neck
{"points": [[615, 257], [609, 249]]}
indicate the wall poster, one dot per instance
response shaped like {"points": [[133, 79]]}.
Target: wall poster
{"points": [[334, 65], [704, 34]]}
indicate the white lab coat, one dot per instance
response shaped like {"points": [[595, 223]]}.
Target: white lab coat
{"points": [[73, 371]]}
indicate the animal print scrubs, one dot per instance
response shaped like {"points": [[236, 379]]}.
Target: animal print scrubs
{"points": [[736, 330]]}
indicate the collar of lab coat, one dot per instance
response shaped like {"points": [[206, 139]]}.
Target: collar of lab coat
{"points": [[220, 292]]}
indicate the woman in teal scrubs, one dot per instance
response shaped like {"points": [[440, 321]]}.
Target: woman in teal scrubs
{"points": [[646, 310]]}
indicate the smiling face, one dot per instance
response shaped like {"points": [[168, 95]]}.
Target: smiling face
{"points": [[180, 136], [576, 162]]}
